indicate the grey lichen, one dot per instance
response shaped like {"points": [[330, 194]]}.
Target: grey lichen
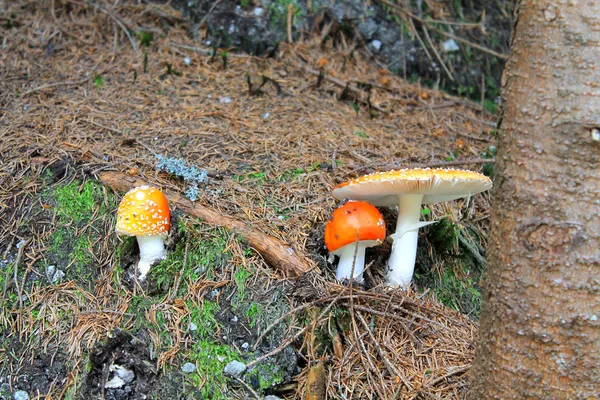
{"points": [[190, 174]]}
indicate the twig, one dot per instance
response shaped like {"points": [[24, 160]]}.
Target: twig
{"points": [[437, 54], [300, 332], [207, 52], [183, 265], [290, 14], [256, 395], [388, 365], [428, 23], [455, 370], [16, 269], [275, 252], [203, 20]]}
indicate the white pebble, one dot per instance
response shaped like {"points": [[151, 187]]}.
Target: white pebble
{"points": [[188, 368]]}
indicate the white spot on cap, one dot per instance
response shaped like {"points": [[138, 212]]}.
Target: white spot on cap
{"points": [[140, 195]]}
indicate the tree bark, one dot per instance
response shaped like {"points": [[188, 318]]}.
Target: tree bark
{"points": [[540, 326]]}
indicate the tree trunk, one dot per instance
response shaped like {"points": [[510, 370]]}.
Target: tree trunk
{"points": [[540, 325]]}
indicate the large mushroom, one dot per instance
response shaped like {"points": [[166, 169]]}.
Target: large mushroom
{"points": [[354, 226], [408, 189], [144, 213]]}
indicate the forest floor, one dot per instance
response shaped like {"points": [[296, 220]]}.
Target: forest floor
{"points": [[86, 90]]}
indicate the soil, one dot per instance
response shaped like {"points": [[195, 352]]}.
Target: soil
{"points": [[405, 45]]}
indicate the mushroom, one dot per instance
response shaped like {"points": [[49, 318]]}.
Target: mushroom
{"points": [[354, 226], [144, 213], [408, 189]]}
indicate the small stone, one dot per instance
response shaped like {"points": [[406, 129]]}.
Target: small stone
{"points": [[114, 383], [193, 326], [375, 45], [225, 100], [21, 395], [124, 373], [188, 368], [596, 134], [58, 275], [231, 28], [450, 46], [187, 60], [234, 318], [271, 397], [50, 269], [245, 345], [266, 115], [259, 11], [235, 368]]}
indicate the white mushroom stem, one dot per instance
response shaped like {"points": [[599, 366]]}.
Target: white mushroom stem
{"points": [[404, 249], [152, 248], [346, 254]]}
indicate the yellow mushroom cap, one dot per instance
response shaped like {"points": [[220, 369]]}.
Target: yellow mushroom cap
{"points": [[144, 211], [435, 184]]}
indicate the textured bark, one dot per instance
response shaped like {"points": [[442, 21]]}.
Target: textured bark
{"points": [[540, 325]]}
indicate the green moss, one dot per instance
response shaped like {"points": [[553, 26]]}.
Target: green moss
{"points": [[444, 235], [204, 316], [253, 314], [211, 358], [206, 252], [240, 277], [268, 375], [460, 293]]}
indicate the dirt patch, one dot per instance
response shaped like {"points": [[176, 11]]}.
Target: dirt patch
{"points": [[36, 372]]}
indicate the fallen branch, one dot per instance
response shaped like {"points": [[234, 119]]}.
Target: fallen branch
{"points": [[275, 252]]}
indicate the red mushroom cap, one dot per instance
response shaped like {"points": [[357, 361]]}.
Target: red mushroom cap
{"points": [[144, 211], [351, 219]]}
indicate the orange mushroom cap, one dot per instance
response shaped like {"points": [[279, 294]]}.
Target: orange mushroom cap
{"points": [[144, 211], [350, 219]]}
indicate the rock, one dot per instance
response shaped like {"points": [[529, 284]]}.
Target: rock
{"points": [[188, 368], [235, 368], [375, 46], [187, 60], [259, 11], [225, 100], [245, 345], [21, 395], [193, 326], [58, 275], [114, 383], [450, 46], [122, 372]]}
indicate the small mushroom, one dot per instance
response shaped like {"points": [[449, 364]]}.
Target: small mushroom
{"points": [[354, 226], [144, 213], [408, 189]]}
